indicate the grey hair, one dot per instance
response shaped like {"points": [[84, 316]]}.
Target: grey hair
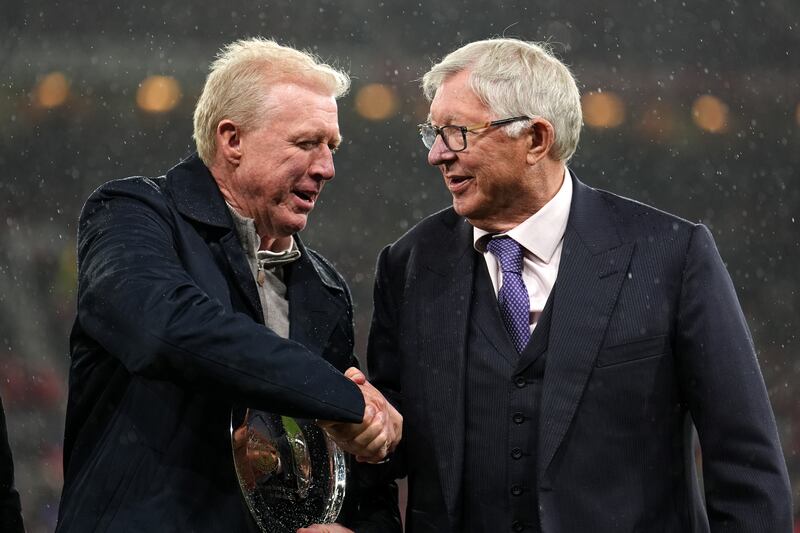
{"points": [[513, 77], [235, 86]]}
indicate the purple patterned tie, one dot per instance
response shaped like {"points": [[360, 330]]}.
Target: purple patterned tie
{"points": [[513, 298]]}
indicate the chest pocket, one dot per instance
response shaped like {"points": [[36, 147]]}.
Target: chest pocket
{"points": [[633, 351]]}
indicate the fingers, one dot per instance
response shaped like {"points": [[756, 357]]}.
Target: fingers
{"points": [[380, 430], [355, 375]]}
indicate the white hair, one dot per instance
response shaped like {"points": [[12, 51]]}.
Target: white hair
{"points": [[513, 78], [235, 87]]}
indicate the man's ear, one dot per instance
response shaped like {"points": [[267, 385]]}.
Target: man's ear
{"points": [[541, 137], [229, 140]]}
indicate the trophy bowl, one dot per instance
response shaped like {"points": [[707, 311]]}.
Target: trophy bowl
{"points": [[291, 473]]}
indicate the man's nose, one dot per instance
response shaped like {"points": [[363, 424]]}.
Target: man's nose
{"points": [[322, 166], [439, 152]]}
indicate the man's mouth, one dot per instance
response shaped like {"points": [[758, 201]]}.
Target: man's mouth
{"points": [[306, 197], [456, 183]]}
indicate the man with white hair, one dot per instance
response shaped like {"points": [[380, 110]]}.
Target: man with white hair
{"points": [[550, 345], [195, 296]]}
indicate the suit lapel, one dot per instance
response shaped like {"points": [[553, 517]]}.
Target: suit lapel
{"points": [[444, 309], [314, 310], [594, 262]]}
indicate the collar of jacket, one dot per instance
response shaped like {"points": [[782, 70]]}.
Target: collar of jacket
{"points": [[196, 194]]}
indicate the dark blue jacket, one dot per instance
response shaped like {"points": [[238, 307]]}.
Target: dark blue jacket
{"points": [[169, 337]]}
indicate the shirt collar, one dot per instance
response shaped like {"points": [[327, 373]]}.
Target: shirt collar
{"points": [[251, 241], [540, 233]]}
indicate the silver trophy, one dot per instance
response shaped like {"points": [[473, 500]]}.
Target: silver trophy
{"points": [[291, 473]]}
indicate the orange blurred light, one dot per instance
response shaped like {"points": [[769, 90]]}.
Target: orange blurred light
{"points": [[158, 94], [603, 110], [710, 114], [797, 114], [376, 101], [52, 90]]}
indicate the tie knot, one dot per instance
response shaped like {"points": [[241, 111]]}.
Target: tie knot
{"points": [[508, 252]]}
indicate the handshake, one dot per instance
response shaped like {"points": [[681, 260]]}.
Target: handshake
{"points": [[377, 435]]}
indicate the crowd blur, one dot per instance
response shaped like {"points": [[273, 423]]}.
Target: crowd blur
{"points": [[696, 111]]}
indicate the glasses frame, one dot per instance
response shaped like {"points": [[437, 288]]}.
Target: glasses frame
{"points": [[440, 130]]}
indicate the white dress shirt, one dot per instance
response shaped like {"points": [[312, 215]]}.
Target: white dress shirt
{"points": [[541, 237]]}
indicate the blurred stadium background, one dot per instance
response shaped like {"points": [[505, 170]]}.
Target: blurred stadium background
{"points": [[690, 106]]}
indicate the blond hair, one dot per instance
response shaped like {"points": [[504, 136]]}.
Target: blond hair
{"points": [[512, 78], [235, 86]]}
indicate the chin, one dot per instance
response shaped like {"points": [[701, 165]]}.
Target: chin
{"points": [[464, 209], [293, 226]]}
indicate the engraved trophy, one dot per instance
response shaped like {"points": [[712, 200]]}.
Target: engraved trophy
{"points": [[291, 473]]}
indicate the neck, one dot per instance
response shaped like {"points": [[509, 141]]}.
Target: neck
{"points": [[543, 187]]}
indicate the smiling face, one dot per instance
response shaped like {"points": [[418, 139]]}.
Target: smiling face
{"points": [[489, 179], [280, 167]]}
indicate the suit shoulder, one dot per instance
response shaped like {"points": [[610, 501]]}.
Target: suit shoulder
{"points": [[637, 217], [436, 225]]}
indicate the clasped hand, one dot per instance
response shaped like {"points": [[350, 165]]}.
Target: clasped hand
{"points": [[377, 435]]}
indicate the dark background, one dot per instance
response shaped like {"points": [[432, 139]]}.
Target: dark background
{"points": [[655, 58]]}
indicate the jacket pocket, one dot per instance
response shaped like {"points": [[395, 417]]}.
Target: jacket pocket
{"points": [[633, 351]]}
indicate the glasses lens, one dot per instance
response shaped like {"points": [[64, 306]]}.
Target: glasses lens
{"points": [[428, 135], [453, 138]]}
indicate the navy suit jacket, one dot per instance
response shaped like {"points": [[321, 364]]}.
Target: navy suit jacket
{"points": [[169, 337], [646, 335]]}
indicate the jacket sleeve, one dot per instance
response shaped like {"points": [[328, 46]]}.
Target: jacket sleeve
{"points": [[136, 299], [370, 504], [384, 361], [744, 473]]}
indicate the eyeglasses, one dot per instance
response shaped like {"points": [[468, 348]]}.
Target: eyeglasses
{"points": [[455, 137]]}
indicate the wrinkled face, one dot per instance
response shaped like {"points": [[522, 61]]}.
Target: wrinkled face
{"points": [[286, 160], [485, 179]]}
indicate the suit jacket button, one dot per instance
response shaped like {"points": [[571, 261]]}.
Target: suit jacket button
{"points": [[520, 382], [517, 526], [516, 453], [518, 418], [516, 490]]}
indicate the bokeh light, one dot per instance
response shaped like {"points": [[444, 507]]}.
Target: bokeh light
{"points": [[797, 114], [657, 121], [710, 114], [52, 90], [376, 101], [602, 110], [158, 94]]}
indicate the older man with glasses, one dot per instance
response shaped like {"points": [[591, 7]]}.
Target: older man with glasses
{"points": [[551, 346]]}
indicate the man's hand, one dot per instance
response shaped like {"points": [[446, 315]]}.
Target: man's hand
{"points": [[378, 433], [324, 528]]}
